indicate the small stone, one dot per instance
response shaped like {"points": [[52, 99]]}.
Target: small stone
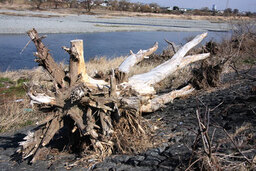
{"points": [[120, 159], [149, 163]]}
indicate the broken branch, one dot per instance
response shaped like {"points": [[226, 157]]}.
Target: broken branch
{"points": [[133, 59], [45, 59]]}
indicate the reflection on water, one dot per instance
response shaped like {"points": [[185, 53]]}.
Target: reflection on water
{"points": [[111, 45]]}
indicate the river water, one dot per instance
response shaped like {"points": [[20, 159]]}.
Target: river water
{"points": [[110, 45]]}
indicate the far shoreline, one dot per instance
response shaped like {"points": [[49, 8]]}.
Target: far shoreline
{"points": [[221, 31], [78, 24]]}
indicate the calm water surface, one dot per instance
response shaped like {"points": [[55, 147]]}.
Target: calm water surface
{"points": [[95, 45]]}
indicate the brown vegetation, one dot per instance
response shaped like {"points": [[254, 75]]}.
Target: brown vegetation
{"points": [[15, 109]]}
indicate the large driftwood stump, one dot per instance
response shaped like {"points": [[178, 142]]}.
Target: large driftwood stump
{"points": [[101, 112]]}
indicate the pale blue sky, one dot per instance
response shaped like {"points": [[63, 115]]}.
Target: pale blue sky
{"points": [[242, 5]]}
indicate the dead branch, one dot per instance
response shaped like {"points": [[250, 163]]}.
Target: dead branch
{"points": [[173, 45], [45, 59], [238, 149], [159, 101], [133, 59], [143, 83]]}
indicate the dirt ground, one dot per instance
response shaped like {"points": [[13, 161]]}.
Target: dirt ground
{"points": [[230, 107]]}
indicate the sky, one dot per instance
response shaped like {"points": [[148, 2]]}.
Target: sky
{"points": [[242, 5]]}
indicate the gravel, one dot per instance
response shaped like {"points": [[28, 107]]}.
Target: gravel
{"points": [[50, 22]]}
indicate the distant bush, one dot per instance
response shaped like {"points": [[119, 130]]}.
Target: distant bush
{"points": [[176, 8], [37, 3], [228, 12]]}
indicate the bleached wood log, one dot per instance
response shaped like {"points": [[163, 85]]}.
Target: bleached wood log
{"points": [[133, 59], [145, 89], [76, 62], [77, 68], [41, 99], [143, 83], [159, 101], [96, 83]]}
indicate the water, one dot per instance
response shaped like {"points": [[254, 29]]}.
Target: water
{"points": [[110, 45]]}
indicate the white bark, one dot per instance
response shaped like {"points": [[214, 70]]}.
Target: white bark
{"points": [[159, 101], [77, 66], [143, 83], [96, 83], [133, 59], [41, 99]]}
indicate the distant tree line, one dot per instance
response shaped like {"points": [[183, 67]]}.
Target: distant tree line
{"points": [[125, 5], [116, 5]]}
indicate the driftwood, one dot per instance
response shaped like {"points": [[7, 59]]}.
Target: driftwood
{"points": [[45, 59], [95, 109]]}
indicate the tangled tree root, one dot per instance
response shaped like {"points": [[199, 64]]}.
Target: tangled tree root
{"points": [[101, 117], [206, 76]]}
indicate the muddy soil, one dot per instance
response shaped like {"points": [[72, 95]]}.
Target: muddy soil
{"points": [[231, 107]]}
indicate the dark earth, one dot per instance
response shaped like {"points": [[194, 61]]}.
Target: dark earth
{"points": [[231, 108]]}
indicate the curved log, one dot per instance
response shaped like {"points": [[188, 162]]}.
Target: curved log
{"points": [[143, 83], [41, 99], [133, 59], [159, 101]]}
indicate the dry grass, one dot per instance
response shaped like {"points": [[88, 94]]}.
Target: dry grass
{"points": [[145, 67], [109, 14], [28, 74], [231, 152], [29, 15], [240, 50], [15, 115], [15, 110], [102, 64], [105, 65]]}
